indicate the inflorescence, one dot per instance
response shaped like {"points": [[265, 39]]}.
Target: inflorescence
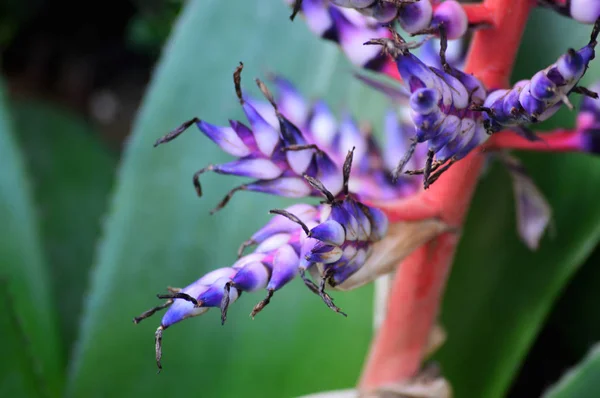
{"points": [[295, 149], [535, 100], [453, 112], [331, 241]]}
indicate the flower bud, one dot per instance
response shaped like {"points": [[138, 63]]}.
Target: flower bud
{"points": [[541, 97], [415, 17], [424, 100], [584, 11]]}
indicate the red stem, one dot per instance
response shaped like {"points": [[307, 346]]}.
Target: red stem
{"points": [[478, 14], [556, 141], [397, 350]]}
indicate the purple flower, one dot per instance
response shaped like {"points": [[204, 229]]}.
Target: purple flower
{"points": [[453, 113], [590, 106], [349, 23], [588, 122], [415, 17], [535, 100], [419, 18], [533, 211], [429, 53], [278, 153], [444, 108], [584, 11], [381, 11], [348, 28], [331, 241]]}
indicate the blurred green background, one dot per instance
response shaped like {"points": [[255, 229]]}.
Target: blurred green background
{"points": [[94, 221]]}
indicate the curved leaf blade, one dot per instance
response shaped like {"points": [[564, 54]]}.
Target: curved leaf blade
{"points": [[72, 173], [581, 381], [34, 366]]}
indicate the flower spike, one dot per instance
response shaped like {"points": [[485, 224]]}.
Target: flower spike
{"points": [[453, 113], [278, 153], [332, 241], [535, 100], [319, 290], [443, 108]]}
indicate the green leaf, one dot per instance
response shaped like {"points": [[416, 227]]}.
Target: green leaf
{"points": [[72, 173], [33, 365], [499, 292], [159, 233], [581, 381], [573, 317]]}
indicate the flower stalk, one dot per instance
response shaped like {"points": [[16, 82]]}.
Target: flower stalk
{"points": [[398, 349]]}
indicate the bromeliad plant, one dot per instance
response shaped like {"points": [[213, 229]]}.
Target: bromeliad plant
{"points": [[379, 215], [343, 211]]}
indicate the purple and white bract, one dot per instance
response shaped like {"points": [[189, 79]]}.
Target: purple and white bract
{"points": [[453, 112], [381, 11], [429, 53], [584, 11], [278, 153], [332, 241], [588, 123], [535, 100], [533, 212], [441, 103], [589, 112], [350, 23], [420, 17], [346, 27]]}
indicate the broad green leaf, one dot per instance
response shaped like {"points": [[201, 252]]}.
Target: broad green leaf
{"points": [[72, 173], [580, 382], [32, 364], [159, 233], [499, 292]]}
